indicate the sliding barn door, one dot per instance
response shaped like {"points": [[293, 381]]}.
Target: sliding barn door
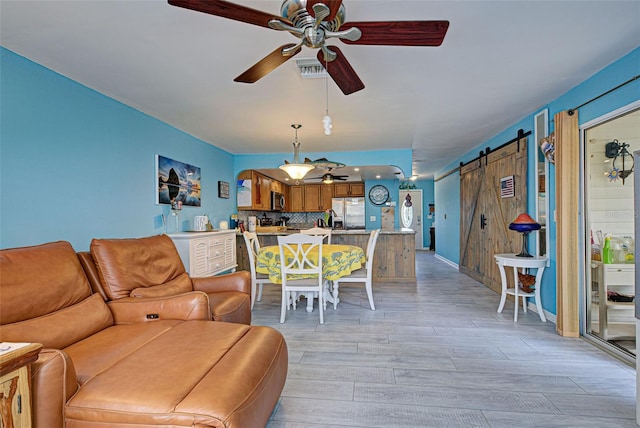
{"points": [[493, 192]]}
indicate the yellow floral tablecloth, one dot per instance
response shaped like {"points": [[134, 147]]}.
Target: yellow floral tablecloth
{"points": [[337, 261]]}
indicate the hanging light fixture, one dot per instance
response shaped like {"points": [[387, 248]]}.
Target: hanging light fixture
{"points": [[296, 170], [326, 120], [327, 179]]}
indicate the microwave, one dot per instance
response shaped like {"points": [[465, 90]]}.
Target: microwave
{"points": [[277, 201]]}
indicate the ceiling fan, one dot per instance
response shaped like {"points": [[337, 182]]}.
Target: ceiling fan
{"points": [[329, 178], [315, 21]]}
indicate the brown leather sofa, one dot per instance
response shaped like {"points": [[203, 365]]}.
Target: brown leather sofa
{"points": [[143, 362], [136, 268]]}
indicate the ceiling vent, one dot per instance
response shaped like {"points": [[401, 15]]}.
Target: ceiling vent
{"points": [[310, 68]]}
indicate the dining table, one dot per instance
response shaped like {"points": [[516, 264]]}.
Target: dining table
{"points": [[338, 260]]}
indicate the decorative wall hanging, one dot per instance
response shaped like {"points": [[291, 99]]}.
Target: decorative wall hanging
{"points": [[507, 187], [623, 163], [178, 183], [548, 147]]}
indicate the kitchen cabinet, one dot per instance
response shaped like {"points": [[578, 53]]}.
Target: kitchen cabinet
{"points": [[615, 318], [15, 383], [296, 199], [317, 197], [312, 197], [260, 191], [206, 253], [345, 190], [263, 194], [277, 186]]}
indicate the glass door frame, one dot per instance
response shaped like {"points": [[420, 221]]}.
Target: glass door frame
{"points": [[585, 265]]}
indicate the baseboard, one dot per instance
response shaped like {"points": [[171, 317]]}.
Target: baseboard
{"points": [[447, 261], [531, 306]]}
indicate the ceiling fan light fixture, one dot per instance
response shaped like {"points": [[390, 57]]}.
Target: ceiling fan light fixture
{"points": [[296, 170], [327, 124], [327, 179]]}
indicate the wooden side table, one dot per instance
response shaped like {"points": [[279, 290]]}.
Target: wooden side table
{"points": [[15, 382], [523, 263]]}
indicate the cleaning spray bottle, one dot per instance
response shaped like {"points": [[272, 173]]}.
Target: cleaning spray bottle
{"points": [[607, 253]]}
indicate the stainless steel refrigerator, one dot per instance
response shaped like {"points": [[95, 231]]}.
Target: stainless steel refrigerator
{"points": [[349, 211]]}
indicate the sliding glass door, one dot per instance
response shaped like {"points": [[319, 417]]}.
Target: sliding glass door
{"points": [[609, 294]]}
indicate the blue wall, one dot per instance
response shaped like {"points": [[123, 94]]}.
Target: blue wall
{"points": [[77, 165], [448, 189], [447, 221]]}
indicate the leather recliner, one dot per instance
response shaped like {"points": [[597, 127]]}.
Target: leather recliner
{"points": [[136, 268], [114, 365]]}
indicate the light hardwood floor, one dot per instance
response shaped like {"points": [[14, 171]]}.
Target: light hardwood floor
{"points": [[439, 355]]}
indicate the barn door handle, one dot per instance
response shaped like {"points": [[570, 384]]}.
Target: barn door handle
{"points": [[483, 221]]}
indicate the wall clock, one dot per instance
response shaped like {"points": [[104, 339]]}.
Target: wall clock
{"points": [[378, 195]]}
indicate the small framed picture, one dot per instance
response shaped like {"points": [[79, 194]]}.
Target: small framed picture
{"points": [[507, 187], [223, 189]]}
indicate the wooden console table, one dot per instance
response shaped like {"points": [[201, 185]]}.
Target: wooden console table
{"points": [[15, 382]]}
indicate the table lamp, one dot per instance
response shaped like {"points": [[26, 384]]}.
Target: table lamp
{"points": [[524, 224]]}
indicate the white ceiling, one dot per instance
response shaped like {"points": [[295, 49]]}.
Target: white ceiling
{"points": [[500, 61]]}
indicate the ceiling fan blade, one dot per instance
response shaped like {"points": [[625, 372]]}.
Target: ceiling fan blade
{"points": [[341, 72], [333, 6], [399, 33], [267, 64], [230, 10]]}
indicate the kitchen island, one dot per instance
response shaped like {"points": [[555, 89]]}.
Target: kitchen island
{"points": [[394, 259]]}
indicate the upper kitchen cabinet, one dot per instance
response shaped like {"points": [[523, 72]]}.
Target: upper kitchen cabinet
{"points": [[326, 195], [345, 190], [277, 186], [255, 191], [310, 197], [295, 203], [317, 197]]}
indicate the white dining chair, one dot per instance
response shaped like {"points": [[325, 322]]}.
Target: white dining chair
{"points": [[257, 279], [318, 231], [362, 274], [298, 247]]}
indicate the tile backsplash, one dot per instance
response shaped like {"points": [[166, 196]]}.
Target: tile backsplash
{"points": [[304, 219]]}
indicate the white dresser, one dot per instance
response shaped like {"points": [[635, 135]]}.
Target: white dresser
{"points": [[207, 253]]}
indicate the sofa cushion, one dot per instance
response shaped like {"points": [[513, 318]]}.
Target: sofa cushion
{"points": [[99, 352], [179, 285], [127, 264], [59, 329], [39, 280]]}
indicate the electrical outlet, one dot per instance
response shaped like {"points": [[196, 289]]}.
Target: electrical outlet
{"points": [[372, 218]]}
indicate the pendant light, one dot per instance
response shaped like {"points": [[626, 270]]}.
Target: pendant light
{"points": [[296, 170]]}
